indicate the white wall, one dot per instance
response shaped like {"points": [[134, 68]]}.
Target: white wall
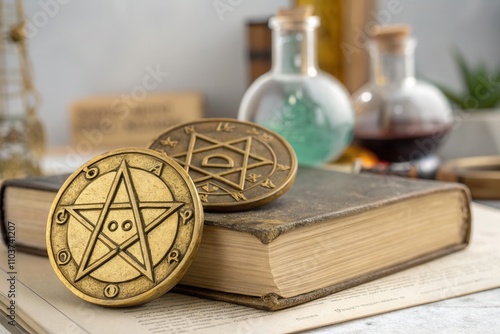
{"points": [[91, 47], [441, 26], [82, 48]]}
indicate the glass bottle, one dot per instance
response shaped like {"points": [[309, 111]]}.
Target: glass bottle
{"points": [[309, 108], [398, 117]]}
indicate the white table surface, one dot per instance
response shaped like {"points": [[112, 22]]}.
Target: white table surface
{"points": [[474, 313]]}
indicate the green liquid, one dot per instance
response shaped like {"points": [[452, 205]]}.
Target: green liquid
{"points": [[312, 135]]}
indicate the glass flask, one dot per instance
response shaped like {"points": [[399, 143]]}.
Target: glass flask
{"points": [[398, 117], [308, 107]]}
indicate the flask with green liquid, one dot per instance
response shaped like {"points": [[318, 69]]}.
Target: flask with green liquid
{"points": [[308, 107]]}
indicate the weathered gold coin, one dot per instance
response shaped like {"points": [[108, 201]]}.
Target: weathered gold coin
{"points": [[235, 165], [124, 228]]}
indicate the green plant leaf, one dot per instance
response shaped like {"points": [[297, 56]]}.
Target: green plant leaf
{"points": [[468, 77], [481, 71], [495, 78], [451, 96], [482, 86], [492, 101]]}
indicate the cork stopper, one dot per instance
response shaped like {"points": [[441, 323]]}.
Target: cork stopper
{"points": [[299, 12], [296, 18], [391, 38]]}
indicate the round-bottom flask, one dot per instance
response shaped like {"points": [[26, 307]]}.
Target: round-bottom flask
{"points": [[309, 108], [398, 117]]}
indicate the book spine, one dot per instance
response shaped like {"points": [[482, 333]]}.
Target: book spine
{"points": [[259, 42]]}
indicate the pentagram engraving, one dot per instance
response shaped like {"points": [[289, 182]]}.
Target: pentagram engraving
{"points": [[235, 165], [123, 227], [141, 261]]}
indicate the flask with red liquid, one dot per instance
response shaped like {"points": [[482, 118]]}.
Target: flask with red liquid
{"points": [[399, 118]]}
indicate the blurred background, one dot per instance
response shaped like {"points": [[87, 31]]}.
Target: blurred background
{"points": [[91, 48]]}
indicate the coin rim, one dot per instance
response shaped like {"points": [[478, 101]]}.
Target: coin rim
{"points": [[255, 202], [176, 275]]}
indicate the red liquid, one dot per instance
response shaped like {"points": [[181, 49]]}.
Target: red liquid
{"points": [[402, 146]]}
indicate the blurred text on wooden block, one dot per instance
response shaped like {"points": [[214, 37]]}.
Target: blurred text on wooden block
{"points": [[119, 121]]}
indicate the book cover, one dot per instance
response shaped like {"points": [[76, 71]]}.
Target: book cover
{"points": [[320, 195], [326, 197]]}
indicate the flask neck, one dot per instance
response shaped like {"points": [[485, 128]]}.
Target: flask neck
{"points": [[392, 67], [294, 46]]}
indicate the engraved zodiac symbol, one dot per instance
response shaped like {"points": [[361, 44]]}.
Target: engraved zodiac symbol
{"points": [[169, 142], [252, 177], [186, 215], [268, 184], [91, 173], [173, 256], [283, 167], [189, 129], [209, 187], [63, 257], [266, 137], [224, 127], [157, 169], [62, 216], [204, 197], [238, 197], [111, 290], [253, 131]]}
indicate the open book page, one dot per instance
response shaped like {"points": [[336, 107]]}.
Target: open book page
{"points": [[47, 306]]}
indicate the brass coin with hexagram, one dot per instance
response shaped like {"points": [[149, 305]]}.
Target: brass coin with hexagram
{"points": [[235, 165], [124, 228]]}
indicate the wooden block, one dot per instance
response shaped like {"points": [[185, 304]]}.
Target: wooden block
{"points": [[120, 121]]}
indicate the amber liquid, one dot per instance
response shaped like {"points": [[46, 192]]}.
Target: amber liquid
{"points": [[402, 146]]}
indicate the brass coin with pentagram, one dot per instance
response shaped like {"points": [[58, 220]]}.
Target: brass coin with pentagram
{"points": [[124, 228], [235, 165]]}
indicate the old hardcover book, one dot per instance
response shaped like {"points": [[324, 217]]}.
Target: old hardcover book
{"points": [[25, 205], [331, 231]]}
